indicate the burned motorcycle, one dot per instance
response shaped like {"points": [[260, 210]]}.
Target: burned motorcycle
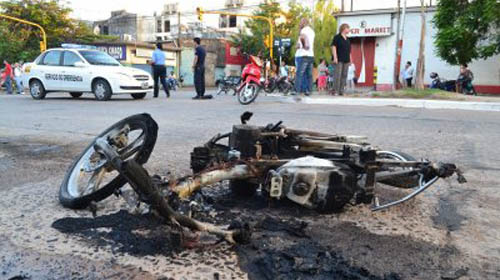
{"points": [[316, 170]]}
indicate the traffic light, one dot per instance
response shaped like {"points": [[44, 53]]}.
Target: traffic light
{"points": [[199, 11]]}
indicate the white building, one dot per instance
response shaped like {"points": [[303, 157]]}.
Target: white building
{"points": [[373, 40], [185, 12]]}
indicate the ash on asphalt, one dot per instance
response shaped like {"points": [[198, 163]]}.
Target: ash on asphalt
{"points": [[447, 215], [138, 235], [283, 244]]}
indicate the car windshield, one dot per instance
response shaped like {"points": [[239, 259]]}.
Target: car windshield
{"points": [[99, 58]]}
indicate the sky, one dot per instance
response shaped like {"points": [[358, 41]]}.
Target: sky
{"points": [[101, 9]]}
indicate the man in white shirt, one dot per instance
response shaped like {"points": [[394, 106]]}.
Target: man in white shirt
{"points": [[304, 57]]}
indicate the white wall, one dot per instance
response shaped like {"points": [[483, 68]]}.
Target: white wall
{"points": [[486, 72], [385, 55]]}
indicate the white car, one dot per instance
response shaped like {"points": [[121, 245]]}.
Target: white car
{"points": [[78, 71]]}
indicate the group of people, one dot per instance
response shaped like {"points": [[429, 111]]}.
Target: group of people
{"points": [[326, 76], [12, 73], [160, 70], [339, 70]]}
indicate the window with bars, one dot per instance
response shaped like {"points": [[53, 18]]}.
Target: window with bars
{"points": [[228, 21], [233, 21], [166, 26], [158, 26]]}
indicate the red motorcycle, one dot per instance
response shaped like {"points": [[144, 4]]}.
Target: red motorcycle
{"points": [[251, 83]]}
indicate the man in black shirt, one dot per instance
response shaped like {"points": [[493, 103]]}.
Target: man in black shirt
{"points": [[199, 69], [341, 50]]}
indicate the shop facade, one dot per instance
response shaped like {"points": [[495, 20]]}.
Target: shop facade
{"points": [[373, 41]]}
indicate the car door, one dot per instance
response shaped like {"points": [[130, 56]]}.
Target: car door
{"points": [[49, 70], [75, 70]]}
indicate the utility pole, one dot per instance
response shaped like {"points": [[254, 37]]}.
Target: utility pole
{"points": [[179, 56], [352, 5], [342, 6], [399, 47], [395, 81], [419, 81]]}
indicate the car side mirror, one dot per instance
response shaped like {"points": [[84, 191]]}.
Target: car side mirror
{"points": [[80, 64]]}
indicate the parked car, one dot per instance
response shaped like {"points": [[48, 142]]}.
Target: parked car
{"points": [[79, 71]]}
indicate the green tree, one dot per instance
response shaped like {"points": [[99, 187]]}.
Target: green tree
{"points": [[251, 41], [467, 30], [286, 25], [325, 26], [21, 42]]}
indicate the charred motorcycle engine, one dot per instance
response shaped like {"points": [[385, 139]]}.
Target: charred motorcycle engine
{"points": [[314, 183]]}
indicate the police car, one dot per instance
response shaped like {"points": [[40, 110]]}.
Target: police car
{"points": [[82, 70]]}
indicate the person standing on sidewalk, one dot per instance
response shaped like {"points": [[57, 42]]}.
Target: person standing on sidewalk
{"points": [[304, 57], [18, 77], [408, 74], [199, 69], [8, 76], [323, 75], [159, 70], [351, 76], [341, 50]]}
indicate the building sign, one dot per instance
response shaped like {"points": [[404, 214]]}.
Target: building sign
{"points": [[148, 53], [118, 52], [368, 25]]}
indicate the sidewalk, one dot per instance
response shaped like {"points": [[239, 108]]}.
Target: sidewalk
{"points": [[475, 103]]}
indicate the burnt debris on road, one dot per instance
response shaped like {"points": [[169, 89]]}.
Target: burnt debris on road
{"points": [[323, 172]]}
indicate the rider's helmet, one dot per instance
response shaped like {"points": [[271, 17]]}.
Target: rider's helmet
{"points": [[434, 75]]}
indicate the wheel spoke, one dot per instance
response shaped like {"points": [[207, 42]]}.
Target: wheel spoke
{"points": [[94, 181], [133, 147]]}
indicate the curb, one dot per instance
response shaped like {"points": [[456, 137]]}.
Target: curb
{"points": [[405, 103]]}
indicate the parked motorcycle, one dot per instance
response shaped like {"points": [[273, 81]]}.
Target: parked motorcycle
{"points": [[277, 83], [442, 84], [251, 81], [228, 83]]}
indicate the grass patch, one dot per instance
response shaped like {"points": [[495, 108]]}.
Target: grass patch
{"points": [[420, 94]]}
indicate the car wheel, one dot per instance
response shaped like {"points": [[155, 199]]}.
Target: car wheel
{"points": [[140, 95], [76, 94], [37, 90], [101, 90]]}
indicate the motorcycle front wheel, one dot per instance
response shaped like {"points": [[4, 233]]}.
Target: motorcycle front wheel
{"points": [[91, 177], [248, 93]]}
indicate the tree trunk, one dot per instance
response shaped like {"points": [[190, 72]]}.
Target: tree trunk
{"points": [[419, 81]]}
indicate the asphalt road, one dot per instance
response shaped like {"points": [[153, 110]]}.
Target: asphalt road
{"points": [[38, 140]]}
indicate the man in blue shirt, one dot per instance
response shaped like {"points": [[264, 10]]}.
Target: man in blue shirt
{"points": [[199, 69], [159, 70]]}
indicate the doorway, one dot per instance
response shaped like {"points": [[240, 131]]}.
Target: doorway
{"points": [[363, 55]]}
